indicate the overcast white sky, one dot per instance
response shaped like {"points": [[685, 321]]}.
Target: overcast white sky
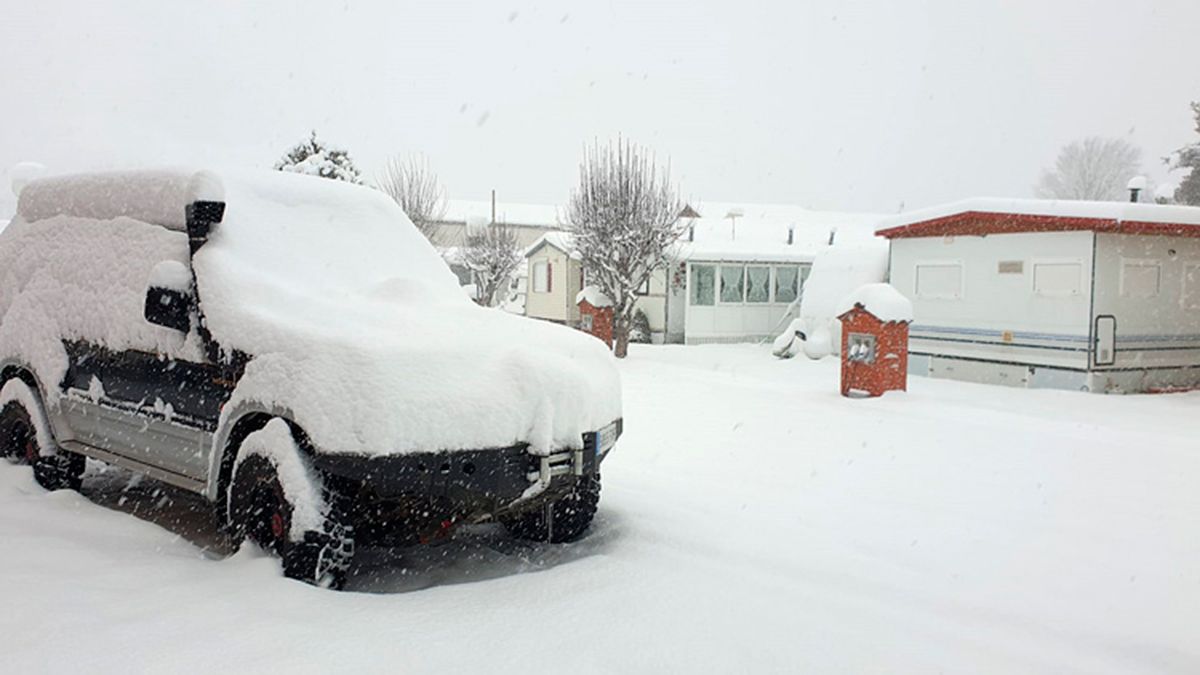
{"points": [[838, 105]]}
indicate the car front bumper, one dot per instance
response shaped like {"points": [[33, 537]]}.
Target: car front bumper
{"points": [[491, 478]]}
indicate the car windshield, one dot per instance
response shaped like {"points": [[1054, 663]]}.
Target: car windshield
{"points": [[286, 235]]}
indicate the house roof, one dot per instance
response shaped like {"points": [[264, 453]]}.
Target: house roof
{"points": [[511, 213], [996, 216], [760, 234], [556, 238], [753, 237]]}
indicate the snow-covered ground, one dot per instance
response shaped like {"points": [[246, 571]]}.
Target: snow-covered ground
{"points": [[752, 521]]}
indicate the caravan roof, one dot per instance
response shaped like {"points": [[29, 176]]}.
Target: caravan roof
{"points": [[997, 216]]}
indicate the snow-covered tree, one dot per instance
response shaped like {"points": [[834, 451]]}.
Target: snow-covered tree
{"points": [[1188, 157], [412, 183], [315, 158], [639, 329], [1093, 168], [624, 216], [492, 254]]}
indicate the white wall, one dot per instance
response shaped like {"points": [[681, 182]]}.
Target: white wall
{"points": [[999, 312], [455, 234], [654, 304], [558, 304], [1159, 326]]}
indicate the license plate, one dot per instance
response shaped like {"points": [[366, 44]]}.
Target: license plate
{"points": [[606, 439]]}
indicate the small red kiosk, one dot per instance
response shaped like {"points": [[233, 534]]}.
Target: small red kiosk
{"points": [[875, 322], [595, 314]]}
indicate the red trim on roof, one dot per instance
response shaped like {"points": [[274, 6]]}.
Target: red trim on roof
{"points": [[979, 223]]}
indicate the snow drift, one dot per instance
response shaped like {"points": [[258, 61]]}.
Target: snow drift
{"points": [[836, 272]]}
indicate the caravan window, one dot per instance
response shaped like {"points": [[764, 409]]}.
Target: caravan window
{"points": [[1140, 278], [703, 284], [786, 283], [939, 280], [1057, 277], [1191, 285]]}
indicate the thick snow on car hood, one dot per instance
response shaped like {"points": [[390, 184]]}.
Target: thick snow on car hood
{"points": [[360, 331]]}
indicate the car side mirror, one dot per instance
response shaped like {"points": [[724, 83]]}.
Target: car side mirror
{"points": [[169, 297]]}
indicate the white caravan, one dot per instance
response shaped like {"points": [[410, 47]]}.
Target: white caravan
{"points": [[1091, 296]]}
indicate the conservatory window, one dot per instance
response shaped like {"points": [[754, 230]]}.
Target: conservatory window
{"points": [[786, 279], [733, 283], [703, 278], [758, 284]]}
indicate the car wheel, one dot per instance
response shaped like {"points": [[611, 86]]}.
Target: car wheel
{"points": [[563, 520], [259, 510], [56, 470]]}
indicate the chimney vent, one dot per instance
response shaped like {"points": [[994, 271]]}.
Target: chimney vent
{"points": [[1135, 187]]}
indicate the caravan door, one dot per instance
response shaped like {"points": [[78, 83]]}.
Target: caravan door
{"points": [[1104, 341]]}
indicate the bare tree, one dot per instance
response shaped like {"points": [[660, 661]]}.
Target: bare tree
{"points": [[492, 254], [1093, 168], [412, 183], [624, 217]]}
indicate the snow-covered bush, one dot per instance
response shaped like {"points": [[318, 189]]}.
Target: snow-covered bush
{"points": [[639, 330], [314, 158]]}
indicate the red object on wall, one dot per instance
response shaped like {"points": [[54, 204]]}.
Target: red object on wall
{"points": [[874, 353], [597, 321]]}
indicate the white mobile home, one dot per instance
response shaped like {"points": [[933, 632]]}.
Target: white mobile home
{"points": [[1073, 295], [738, 274]]}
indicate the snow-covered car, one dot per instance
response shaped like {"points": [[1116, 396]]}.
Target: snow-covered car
{"points": [[294, 350]]}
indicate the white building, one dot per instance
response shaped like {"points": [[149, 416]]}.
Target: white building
{"points": [[1074, 295], [732, 279], [740, 268], [528, 221]]}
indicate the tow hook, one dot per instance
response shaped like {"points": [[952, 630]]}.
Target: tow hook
{"points": [[561, 464], [442, 532]]}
